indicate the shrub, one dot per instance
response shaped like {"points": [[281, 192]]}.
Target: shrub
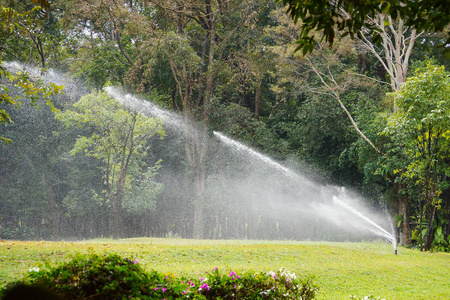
{"points": [[113, 277], [96, 277], [272, 285], [17, 233]]}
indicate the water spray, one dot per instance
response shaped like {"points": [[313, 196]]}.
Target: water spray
{"points": [[378, 229], [394, 241], [148, 108], [259, 156], [308, 188]]}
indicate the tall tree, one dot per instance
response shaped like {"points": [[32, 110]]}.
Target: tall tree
{"points": [[119, 139], [205, 34], [420, 131], [397, 40]]}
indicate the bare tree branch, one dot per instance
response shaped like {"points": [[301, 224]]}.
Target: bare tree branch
{"points": [[333, 89]]}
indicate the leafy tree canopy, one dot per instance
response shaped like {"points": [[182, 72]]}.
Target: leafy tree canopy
{"points": [[420, 133], [120, 139], [350, 16], [14, 23]]}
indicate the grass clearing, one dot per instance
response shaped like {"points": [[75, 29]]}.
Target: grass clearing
{"points": [[340, 269]]}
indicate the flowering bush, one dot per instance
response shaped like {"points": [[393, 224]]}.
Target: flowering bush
{"points": [[272, 285], [113, 277]]}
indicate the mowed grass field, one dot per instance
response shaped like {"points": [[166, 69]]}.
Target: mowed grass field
{"points": [[339, 269]]}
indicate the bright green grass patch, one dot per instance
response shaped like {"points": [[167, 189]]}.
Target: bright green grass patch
{"points": [[340, 269]]}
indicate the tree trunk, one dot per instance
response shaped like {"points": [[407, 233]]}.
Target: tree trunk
{"points": [[403, 210], [116, 218], [200, 143], [53, 206], [196, 150], [117, 203], [199, 202], [257, 99], [429, 237]]}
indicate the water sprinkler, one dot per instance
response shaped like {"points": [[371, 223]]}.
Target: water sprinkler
{"points": [[395, 249]]}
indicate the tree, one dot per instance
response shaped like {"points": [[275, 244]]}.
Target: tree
{"points": [[335, 84], [199, 40], [32, 88], [350, 17], [420, 132], [26, 35], [397, 42], [119, 138]]}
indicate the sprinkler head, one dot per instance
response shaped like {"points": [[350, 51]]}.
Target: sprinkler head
{"points": [[395, 251]]}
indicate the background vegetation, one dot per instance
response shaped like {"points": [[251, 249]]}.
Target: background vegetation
{"points": [[349, 112]]}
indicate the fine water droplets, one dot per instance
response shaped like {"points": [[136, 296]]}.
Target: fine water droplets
{"points": [[286, 197]]}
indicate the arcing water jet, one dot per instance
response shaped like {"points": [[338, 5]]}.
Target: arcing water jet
{"points": [[269, 193], [267, 160], [377, 228], [373, 227], [250, 195]]}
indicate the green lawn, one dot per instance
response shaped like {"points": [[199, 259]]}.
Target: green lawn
{"points": [[340, 269]]}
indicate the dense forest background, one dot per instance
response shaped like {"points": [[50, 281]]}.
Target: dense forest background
{"points": [[374, 117]]}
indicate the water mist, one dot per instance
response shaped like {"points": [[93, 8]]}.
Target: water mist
{"points": [[248, 194], [264, 199]]}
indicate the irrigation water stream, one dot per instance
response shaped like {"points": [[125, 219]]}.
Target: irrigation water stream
{"points": [[290, 196], [252, 193]]}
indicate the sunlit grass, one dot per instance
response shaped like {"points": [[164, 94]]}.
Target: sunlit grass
{"points": [[340, 269]]}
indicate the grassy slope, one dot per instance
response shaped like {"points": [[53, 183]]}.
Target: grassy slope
{"points": [[340, 269]]}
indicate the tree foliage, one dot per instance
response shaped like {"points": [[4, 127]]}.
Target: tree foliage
{"points": [[350, 17], [15, 26], [420, 132], [119, 139]]}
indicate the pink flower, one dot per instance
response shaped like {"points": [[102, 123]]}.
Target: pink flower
{"points": [[232, 273], [204, 287], [164, 289], [135, 262]]}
